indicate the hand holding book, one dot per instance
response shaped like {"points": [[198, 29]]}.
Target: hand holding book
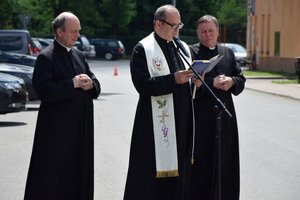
{"points": [[205, 66]]}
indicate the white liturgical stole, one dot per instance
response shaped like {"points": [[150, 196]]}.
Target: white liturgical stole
{"points": [[162, 113]]}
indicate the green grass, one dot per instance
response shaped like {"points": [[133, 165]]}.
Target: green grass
{"points": [[286, 81], [281, 78], [266, 74]]}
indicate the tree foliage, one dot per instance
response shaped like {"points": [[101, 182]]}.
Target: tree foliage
{"points": [[122, 18], [118, 14], [232, 20], [6, 14], [9, 14]]}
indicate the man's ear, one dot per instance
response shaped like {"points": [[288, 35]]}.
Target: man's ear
{"points": [[59, 31]]}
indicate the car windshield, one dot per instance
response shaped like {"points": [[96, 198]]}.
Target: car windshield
{"points": [[237, 48]]}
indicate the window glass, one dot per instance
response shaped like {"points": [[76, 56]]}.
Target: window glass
{"points": [[277, 44], [11, 43], [112, 44], [85, 41]]}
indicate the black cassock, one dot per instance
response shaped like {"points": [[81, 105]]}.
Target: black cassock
{"points": [[141, 181], [203, 176], [62, 160]]}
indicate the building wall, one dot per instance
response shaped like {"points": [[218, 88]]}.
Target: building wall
{"points": [[274, 34]]}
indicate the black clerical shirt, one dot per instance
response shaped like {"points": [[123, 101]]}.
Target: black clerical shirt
{"points": [[171, 54]]}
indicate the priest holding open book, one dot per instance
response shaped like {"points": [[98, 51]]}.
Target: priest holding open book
{"points": [[161, 144], [225, 79]]}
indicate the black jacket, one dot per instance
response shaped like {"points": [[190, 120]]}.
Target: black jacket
{"points": [[204, 176], [62, 161]]}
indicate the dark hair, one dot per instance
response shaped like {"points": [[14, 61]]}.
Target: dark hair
{"points": [[207, 18], [58, 22]]}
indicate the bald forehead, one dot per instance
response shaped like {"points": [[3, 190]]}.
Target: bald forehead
{"points": [[67, 15], [63, 19], [162, 11]]}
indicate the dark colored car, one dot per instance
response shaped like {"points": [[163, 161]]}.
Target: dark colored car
{"points": [[84, 45], [21, 59], [110, 49], [21, 71], [13, 95], [18, 41]]}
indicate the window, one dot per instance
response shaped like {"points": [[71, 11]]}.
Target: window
{"points": [[112, 44], [11, 43], [277, 44]]}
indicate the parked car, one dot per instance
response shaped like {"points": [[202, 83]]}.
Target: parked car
{"points": [[84, 45], [110, 49], [240, 53], [44, 42], [36, 47], [18, 41], [13, 95], [21, 71], [16, 58]]}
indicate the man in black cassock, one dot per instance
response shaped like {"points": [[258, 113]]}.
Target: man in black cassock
{"points": [[224, 80], [62, 160], [142, 183]]}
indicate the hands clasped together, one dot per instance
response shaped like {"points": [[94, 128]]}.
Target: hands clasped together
{"points": [[223, 82], [83, 81]]}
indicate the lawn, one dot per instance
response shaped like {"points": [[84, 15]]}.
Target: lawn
{"points": [[263, 74], [280, 77]]}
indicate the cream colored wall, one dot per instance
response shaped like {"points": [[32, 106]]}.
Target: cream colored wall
{"points": [[275, 16]]}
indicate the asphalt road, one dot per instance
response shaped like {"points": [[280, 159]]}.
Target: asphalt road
{"points": [[269, 140]]}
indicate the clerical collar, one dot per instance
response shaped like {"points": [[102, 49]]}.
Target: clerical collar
{"points": [[205, 47], [68, 48], [157, 37]]}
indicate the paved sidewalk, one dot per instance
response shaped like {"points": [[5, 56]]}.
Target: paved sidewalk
{"points": [[266, 85]]}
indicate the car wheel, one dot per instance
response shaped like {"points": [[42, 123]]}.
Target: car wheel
{"points": [[108, 56]]}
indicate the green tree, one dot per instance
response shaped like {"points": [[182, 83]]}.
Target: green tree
{"points": [[129, 19], [41, 17], [6, 14], [9, 14], [87, 12], [118, 14], [232, 17]]}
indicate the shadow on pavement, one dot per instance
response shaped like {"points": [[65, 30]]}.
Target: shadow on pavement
{"points": [[9, 124]]}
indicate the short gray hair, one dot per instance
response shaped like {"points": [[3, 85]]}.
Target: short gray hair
{"points": [[207, 18]]}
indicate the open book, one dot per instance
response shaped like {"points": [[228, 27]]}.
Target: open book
{"points": [[205, 66]]}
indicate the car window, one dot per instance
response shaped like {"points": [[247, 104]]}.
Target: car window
{"points": [[121, 44], [112, 44], [98, 42], [85, 41], [37, 44], [44, 44], [11, 43], [101, 43]]}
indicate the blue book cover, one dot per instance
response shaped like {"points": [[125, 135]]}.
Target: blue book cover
{"points": [[205, 66]]}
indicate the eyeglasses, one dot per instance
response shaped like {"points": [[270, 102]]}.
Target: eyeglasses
{"points": [[174, 26]]}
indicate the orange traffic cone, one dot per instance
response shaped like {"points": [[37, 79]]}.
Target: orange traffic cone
{"points": [[116, 71]]}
